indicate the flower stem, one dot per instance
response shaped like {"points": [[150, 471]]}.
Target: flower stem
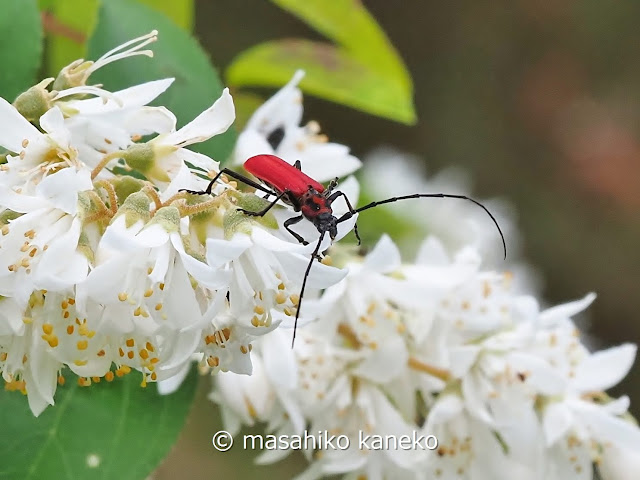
{"points": [[347, 332], [149, 190], [103, 163], [111, 192], [437, 372]]}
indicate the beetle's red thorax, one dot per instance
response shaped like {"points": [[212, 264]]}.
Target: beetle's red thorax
{"points": [[313, 204], [281, 175]]}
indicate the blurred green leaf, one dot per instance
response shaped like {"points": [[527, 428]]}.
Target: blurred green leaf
{"points": [[21, 46], [245, 103], [180, 11], [350, 25], [68, 22], [72, 21], [176, 54], [363, 70], [108, 430], [331, 73]]}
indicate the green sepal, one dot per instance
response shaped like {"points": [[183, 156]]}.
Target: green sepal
{"points": [[125, 186], [168, 218], [134, 208]]}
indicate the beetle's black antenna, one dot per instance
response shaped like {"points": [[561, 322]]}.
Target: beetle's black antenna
{"points": [[348, 215], [314, 256]]}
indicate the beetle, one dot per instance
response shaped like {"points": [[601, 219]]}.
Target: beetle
{"points": [[313, 200]]}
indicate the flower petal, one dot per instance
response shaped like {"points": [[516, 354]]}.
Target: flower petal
{"points": [[214, 120]]}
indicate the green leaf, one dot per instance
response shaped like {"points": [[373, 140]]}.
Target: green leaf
{"points": [[180, 11], [362, 70], [108, 430], [349, 24], [246, 104], [69, 22], [21, 46], [176, 54], [331, 73]]}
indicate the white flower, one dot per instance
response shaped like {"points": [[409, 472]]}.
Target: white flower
{"points": [[162, 158], [99, 127], [274, 129], [39, 154], [455, 222], [439, 348]]}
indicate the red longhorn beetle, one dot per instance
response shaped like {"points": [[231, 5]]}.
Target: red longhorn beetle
{"points": [[287, 183]]}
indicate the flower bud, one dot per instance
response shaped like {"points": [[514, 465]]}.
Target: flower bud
{"points": [[143, 157], [35, 102], [168, 218], [134, 208]]}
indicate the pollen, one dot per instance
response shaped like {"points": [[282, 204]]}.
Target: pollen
{"points": [[82, 345], [130, 342], [281, 298], [149, 346], [66, 314], [30, 234], [101, 353], [327, 260], [148, 293], [5, 230], [121, 352], [84, 382], [161, 286], [122, 296], [259, 309], [137, 312], [61, 380], [227, 333], [281, 286], [25, 143], [64, 305], [130, 354], [295, 299], [80, 363], [144, 354], [108, 376], [244, 349], [33, 252], [154, 376], [158, 307], [47, 328]]}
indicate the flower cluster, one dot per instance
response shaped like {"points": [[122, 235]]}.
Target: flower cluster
{"points": [[106, 265], [109, 265], [438, 347]]}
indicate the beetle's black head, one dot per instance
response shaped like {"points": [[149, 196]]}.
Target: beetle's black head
{"points": [[326, 222]]}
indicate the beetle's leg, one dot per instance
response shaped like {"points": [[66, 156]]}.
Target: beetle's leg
{"points": [[352, 212], [297, 165], [232, 174], [264, 211], [293, 221]]}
